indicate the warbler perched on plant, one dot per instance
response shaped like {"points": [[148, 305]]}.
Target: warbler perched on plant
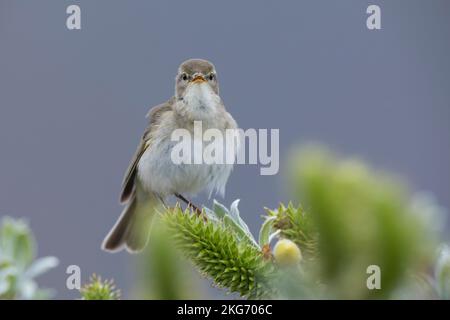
{"points": [[152, 176]]}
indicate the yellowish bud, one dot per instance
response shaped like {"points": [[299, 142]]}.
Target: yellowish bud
{"points": [[287, 253]]}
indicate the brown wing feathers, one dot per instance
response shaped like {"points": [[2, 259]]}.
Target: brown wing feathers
{"points": [[128, 183]]}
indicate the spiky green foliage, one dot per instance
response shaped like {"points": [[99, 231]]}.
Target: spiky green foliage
{"points": [[18, 264], [296, 225], [98, 289], [219, 253]]}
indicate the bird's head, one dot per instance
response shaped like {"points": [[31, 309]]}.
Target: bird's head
{"points": [[195, 72]]}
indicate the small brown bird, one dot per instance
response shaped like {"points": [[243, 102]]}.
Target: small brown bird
{"points": [[152, 175]]}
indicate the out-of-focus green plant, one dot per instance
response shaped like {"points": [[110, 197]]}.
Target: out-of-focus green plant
{"points": [[98, 289], [434, 285], [442, 273], [223, 249], [163, 273], [18, 264], [362, 218]]}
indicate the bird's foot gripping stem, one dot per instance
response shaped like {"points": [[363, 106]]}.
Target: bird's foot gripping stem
{"points": [[191, 205]]}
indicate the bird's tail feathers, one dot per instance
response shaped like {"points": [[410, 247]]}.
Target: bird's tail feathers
{"points": [[132, 229]]}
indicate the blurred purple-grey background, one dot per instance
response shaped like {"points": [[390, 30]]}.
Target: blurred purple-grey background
{"points": [[72, 103]]}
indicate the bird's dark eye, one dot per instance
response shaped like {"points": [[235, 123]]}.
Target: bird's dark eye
{"points": [[184, 77], [212, 77]]}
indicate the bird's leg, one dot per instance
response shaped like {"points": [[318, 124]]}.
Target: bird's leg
{"points": [[189, 204]]}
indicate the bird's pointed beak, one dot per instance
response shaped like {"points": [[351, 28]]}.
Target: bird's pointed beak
{"points": [[198, 79]]}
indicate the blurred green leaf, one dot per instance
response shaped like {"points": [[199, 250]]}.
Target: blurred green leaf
{"points": [[442, 272], [163, 272], [17, 242], [41, 266], [17, 269]]}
